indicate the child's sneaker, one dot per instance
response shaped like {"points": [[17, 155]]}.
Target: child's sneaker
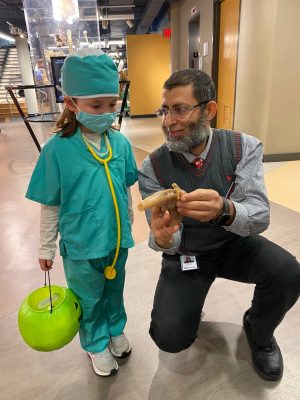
{"points": [[120, 346], [104, 363]]}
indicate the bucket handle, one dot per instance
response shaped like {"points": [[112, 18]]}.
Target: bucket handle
{"points": [[45, 284]]}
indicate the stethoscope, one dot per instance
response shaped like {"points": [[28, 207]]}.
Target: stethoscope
{"points": [[109, 271]]}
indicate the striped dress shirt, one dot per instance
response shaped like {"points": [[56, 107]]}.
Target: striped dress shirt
{"points": [[248, 196]]}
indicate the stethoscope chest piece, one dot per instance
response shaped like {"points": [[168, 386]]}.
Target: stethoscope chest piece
{"points": [[110, 272]]}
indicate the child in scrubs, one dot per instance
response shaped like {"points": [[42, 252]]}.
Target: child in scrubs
{"points": [[82, 180]]}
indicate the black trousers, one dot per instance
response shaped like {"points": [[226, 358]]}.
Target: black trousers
{"points": [[180, 296]]}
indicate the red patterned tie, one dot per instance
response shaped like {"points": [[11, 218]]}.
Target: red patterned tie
{"points": [[198, 162]]}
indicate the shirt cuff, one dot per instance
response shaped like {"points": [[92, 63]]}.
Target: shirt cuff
{"points": [[176, 239], [47, 254], [239, 224]]}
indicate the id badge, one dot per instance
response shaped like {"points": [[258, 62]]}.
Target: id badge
{"points": [[188, 263]]}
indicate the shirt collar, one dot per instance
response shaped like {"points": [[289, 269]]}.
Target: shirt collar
{"points": [[191, 157]]}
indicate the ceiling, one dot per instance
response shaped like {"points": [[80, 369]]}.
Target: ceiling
{"points": [[142, 14]]}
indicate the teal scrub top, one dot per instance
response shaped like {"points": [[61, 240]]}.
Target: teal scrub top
{"points": [[68, 176]]}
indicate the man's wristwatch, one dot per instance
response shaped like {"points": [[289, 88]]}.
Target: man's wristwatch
{"points": [[222, 219]]}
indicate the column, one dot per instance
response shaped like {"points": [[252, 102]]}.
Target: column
{"points": [[27, 74]]}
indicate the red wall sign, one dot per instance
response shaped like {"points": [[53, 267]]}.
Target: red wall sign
{"points": [[167, 32]]}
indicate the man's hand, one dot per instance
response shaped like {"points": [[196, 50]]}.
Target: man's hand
{"points": [[160, 227], [45, 264], [201, 204]]}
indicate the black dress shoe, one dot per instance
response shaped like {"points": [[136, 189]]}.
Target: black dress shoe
{"points": [[267, 361]]}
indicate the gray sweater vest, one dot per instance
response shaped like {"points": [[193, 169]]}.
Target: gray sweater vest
{"points": [[217, 173]]}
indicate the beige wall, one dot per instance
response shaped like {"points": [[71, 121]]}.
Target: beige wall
{"points": [[148, 59], [268, 74]]}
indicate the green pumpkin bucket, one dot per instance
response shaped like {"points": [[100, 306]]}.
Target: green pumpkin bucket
{"points": [[49, 318]]}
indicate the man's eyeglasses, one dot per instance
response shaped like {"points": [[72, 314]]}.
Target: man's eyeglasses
{"points": [[178, 112]]}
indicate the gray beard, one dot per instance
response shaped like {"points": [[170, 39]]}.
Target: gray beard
{"points": [[198, 133]]}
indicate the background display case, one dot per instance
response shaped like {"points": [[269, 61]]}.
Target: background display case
{"points": [[56, 28]]}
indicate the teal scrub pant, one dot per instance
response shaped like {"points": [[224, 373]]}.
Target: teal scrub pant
{"points": [[101, 299]]}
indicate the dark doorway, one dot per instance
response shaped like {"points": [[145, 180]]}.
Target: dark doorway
{"points": [[194, 40]]}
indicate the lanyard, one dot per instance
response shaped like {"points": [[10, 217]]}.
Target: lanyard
{"points": [[109, 271]]}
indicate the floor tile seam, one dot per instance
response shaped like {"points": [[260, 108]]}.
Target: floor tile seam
{"points": [[284, 206], [2, 317], [283, 165]]}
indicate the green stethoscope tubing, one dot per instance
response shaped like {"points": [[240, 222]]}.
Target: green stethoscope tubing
{"points": [[109, 271]]}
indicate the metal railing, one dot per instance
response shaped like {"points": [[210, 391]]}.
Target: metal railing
{"points": [[50, 116]]}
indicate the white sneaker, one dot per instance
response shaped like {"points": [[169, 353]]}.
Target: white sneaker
{"points": [[104, 363], [119, 346]]}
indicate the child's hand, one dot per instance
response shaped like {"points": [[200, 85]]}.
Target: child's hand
{"points": [[45, 264]]}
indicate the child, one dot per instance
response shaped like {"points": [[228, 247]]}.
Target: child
{"points": [[81, 180]]}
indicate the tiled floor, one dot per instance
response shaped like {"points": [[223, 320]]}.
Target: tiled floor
{"points": [[216, 367], [283, 185]]}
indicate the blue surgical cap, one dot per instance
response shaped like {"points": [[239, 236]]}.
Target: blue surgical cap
{"points": [[89, 73]]}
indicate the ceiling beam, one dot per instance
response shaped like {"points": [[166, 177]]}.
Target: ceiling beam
{"points": [[109, 17], [151, 11], [126, 6]]}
